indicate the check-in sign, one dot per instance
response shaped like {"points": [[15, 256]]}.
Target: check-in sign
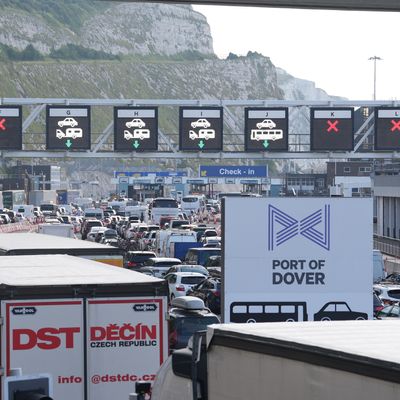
{"points": [[200, 129], [10, 128], [135, 129], [68, 128], [332, 129]]}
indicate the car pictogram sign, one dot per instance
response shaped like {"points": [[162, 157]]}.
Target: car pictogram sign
{"points": [[332, 129], [68, 128], [200, 129], [135, 129], [387, 128], [10, 128], [266, 129]]}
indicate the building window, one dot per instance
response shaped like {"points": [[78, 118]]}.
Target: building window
{"points": [[346, 169], [365, 169]]}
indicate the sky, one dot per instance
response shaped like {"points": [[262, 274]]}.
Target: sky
{"points": [[331, 48]]}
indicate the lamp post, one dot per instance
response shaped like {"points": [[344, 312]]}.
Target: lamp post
{"points": [[375, 58]]}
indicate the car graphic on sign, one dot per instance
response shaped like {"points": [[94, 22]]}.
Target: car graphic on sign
{"points": [[267, 123], [202, 134], [338, 311], [72, 133], [135, 123], [67, 122], [137, 134], [200, 123]]}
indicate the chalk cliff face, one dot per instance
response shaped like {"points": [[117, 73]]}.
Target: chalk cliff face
{"points": [[128, 28]]}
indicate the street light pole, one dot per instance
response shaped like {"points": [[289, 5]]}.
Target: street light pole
{"points": [[375, 58]]}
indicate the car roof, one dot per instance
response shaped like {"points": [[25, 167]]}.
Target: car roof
{"points": [[166, 259], [204, 248], [186, 274]]}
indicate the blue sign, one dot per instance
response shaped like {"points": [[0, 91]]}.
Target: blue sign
{"points": [[229, 171], [139, 174]]}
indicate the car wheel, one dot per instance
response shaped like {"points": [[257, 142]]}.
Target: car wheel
{"points": [[73, 136], [326, 319], [251, 321], [60, 125], [360, 319], [290, 320]]}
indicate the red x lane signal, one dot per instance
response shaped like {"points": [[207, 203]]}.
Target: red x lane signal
{"points": [[332, 126], [396, 125], [2, 124]]}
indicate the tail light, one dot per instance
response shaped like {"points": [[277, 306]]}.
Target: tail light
{"points": [[379, 308], [217, 293], [180, 288], [132, 264]]}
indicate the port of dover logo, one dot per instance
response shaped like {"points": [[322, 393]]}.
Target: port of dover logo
{"points": [[283, 227]]}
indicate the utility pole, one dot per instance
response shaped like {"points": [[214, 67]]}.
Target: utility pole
{"points": [[375, 58]]}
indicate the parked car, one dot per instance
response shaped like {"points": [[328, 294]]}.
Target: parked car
{"points": [[188, 268], [137, 259], [389, 312], [378, 304], [387, 293], [186, 316], [210, 292], [161, 265], [180, 282]]}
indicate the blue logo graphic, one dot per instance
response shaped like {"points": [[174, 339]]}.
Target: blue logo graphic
{"points": [[292, 227]]}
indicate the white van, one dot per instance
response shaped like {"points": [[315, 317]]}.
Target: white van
{"points": [[379, 272]]}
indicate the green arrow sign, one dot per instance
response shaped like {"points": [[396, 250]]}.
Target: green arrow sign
{"points": [[265, 143], [68, 143], [201, 144], [135, 144]]}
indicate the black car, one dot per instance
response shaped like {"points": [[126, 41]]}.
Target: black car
{"points": [[338, 311], [210, 292], [136, 259], [186, 316]]}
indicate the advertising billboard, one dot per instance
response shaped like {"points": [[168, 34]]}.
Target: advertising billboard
{"points": [[306, 259]]}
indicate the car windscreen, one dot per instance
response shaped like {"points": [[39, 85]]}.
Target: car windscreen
{"points": [[190, 199], [165, 264], [192, 280], [139, 257], [184, 328]]}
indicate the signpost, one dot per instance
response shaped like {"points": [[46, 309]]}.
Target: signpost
{"points": [[332, 129], [68, 128], [387, 128], [303, 265], [200, 129], [266, 129], [10, 128], [135, 129]]}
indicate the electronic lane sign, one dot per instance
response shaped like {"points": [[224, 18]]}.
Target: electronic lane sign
{"points": [[200, 129], [68, 128], [135, 129], [266, 129], [10, 128], [387, 128], [332, 129]]}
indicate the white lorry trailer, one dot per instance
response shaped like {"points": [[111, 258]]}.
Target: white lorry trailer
{"points": [[346, 360], [63, 230], [93, 328]]}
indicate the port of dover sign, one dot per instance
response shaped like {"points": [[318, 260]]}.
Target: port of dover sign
{"points": [[297, 259]]}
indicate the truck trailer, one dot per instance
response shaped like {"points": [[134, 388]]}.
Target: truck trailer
{"points": [[346, 360], [94, 329]]}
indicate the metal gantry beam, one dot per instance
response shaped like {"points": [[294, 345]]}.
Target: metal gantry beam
{"points": [[297, 107], [358, 5]]}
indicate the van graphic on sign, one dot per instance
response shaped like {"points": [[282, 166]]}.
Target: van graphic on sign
{"points": [[137, 134], [202, 134], [72, 133], [264, 134]]}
